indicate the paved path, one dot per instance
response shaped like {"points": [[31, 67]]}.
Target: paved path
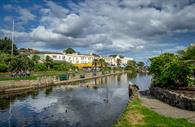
{"points": [[167, 110]]}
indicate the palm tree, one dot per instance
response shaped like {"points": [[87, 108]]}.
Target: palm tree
{"points": [[118, 62], [48, 62], [95, 63], [21, 62], [102, 63]]}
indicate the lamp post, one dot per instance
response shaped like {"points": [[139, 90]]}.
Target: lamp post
{"points": [[12, 50]]}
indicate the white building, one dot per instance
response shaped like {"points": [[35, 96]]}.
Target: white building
{"points": [[112, 59], [76, 58]]}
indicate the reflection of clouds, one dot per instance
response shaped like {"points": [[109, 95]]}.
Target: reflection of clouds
{"points": [[143, 81], [119, 92], [38, 104]]}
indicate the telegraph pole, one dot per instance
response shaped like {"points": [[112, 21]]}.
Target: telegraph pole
{"points": [[12, 50]]}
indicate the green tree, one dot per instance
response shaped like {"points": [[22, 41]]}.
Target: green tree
{"points": [[131, 65], [35, 58], [102, 63], [175, 74], [158, 63], [3, 67], [189, 53], [40, 67], [118, 62], [69, 51], [6, 46], [60, 67], [169, 71], [140, 64], [48, 62], [95, 63], [21, 62]]}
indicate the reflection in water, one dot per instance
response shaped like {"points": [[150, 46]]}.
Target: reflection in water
{"points": [[142, 80], [48, 91], [96, 103]]}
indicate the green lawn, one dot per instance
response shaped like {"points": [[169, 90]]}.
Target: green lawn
{"points": [[136, 115], [22, 78]]}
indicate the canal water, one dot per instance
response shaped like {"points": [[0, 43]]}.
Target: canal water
{"points": [[92, 103]]}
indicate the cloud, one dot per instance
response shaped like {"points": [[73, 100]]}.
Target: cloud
{"points": [[118, 27], [25, 15], [56, 9], [8, 7]]}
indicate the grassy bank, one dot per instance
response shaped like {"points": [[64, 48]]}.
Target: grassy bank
{"points": [[136, 115], [18, 78]]}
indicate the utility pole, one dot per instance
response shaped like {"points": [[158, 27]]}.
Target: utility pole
{"points": [[12, 50]]}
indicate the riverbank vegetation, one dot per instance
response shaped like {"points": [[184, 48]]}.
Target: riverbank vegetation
{"points": [[19, 64], [136, 115], [174, 70]]}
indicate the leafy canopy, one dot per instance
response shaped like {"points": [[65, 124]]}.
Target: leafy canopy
{"points": [[69, 51]]}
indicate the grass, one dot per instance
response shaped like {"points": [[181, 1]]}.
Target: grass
{"points": [[136, 115], [48, 73], [22, 78]]}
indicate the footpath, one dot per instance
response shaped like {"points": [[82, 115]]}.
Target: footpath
{"points": [[167, 110]]}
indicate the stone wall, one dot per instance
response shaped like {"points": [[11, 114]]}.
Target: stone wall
{"points": [[173, 98]]}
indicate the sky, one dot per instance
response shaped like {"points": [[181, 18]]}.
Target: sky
{"points": [[134, 28]]}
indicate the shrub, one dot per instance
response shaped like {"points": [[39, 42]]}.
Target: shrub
{"points": [[169, 72], [40, 67], [3, 67]]}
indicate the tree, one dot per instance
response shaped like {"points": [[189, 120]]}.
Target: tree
{"points": [[158, 63], [95, 62], [175, 74], [102, 63], [4, 57], [131, 65], [69, 51], [48, 62], [118, 62], [189, 53], [60, 67], [21, 62], [40, 67], [169, 71], [6, 46], [140, 64], [35, 58], [3, 67]]}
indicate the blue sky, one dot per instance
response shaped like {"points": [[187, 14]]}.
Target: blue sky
{"points": [[134, 28]]}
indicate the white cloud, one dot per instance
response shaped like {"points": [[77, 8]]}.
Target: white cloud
{"points": [[111, 26], [25, 15], [8, 7]]}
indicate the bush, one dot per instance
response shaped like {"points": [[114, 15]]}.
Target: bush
{"points": [[3, 67], [60, 67], [169, 72], [175, 74], [40, 67]]}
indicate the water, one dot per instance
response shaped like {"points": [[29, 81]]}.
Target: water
{"points": [[93, 103]]}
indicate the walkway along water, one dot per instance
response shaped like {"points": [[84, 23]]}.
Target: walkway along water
{"points": [[159, 106]]}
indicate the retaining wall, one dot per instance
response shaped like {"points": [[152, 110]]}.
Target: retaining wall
{"points": [[173, 98]]}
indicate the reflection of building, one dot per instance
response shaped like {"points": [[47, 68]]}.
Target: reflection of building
{"points": [[83, 60]]}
